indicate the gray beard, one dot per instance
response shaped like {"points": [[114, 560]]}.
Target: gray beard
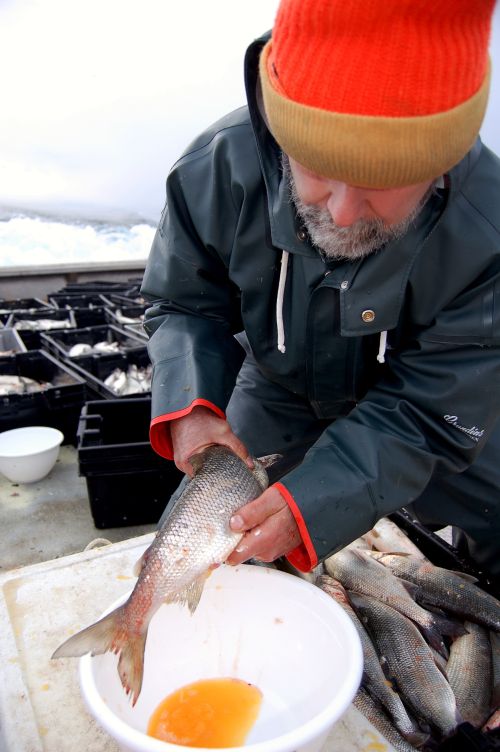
{"points": [[363, 237]]}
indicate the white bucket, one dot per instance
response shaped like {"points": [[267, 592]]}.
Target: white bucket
{"points": [[271, 629]]}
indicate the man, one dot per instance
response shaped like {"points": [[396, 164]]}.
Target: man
{"points": [[345, 227]]}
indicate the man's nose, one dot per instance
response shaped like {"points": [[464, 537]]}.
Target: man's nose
{"points": [[346, 204]]}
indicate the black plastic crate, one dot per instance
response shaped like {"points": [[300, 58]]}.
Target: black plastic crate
{"points": [[129, 287], [97, 369], [76, 300], [20, 304], [31, 337], [10, 342], [58, 405], [59, 343], [127, 482], [137, 330], [115, 300]]}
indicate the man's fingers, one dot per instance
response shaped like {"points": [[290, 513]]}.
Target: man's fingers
{"points": [[253, 513], [276, 536]]}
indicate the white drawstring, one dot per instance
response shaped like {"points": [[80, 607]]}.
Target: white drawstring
{"points": [[279, 313], [382, 347], [279, 302]]}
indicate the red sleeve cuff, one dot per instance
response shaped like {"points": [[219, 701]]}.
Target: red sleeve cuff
{"points": [[159, 430], [303, 557]]}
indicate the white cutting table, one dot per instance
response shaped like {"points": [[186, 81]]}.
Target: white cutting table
{"points": [[41, 709]]}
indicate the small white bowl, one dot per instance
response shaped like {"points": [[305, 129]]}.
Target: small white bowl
{"points": [[28, 454], [271, 629]]}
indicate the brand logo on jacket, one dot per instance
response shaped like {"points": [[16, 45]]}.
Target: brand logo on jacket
{"points": [[475, 433]]}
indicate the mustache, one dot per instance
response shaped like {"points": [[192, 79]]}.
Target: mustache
{"points": [[363, 237]]}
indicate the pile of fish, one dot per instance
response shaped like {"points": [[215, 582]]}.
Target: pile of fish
{"points": [[82, 348], [430, 639], [132, 381], [11, 384], [42, 324]]}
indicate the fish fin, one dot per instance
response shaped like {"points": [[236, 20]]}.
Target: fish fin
{"points": [[104, 635], [131, 664], [191, 595], [269, 459], [417, 738], [465, 576], [410, 588], [450, 627], [433, 637]]}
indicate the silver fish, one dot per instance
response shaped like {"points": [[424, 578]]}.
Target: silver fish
{"points": [[410, 663], [358, 571], [451, 591], [374, 678], [133, 381], [11, 384], [42, 324], [387, 536], [194, 539], [469, 671], [374, 713]]}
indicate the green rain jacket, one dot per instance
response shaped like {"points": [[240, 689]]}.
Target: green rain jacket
{"points": [[214, 270]]}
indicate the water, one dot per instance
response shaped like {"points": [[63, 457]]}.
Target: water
{"points": [[27, 239]]}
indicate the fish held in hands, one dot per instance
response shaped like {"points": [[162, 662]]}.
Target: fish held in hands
{"points": [[194, 539]]}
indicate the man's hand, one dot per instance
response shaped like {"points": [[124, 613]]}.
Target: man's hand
{"points": [[198, 429], [269, 526]]}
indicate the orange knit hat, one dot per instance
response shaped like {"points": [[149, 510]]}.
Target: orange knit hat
{"points": [[377, 93]]}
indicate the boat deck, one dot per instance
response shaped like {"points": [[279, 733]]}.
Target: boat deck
{"points": [[51, 518]]}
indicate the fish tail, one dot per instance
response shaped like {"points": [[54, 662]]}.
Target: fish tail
{"points": [[449, 627], [110, 633], [417, 738], [442, 626], [105, 634], [131, 665], [435, 640]]}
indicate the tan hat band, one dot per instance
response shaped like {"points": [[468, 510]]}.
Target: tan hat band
{"points": [[368, 151]]}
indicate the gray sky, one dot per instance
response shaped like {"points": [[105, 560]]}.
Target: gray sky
{"points": [[99, 97]]}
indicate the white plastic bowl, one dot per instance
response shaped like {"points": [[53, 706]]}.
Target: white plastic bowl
{"points": [[266, 627], [28, 454]]}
